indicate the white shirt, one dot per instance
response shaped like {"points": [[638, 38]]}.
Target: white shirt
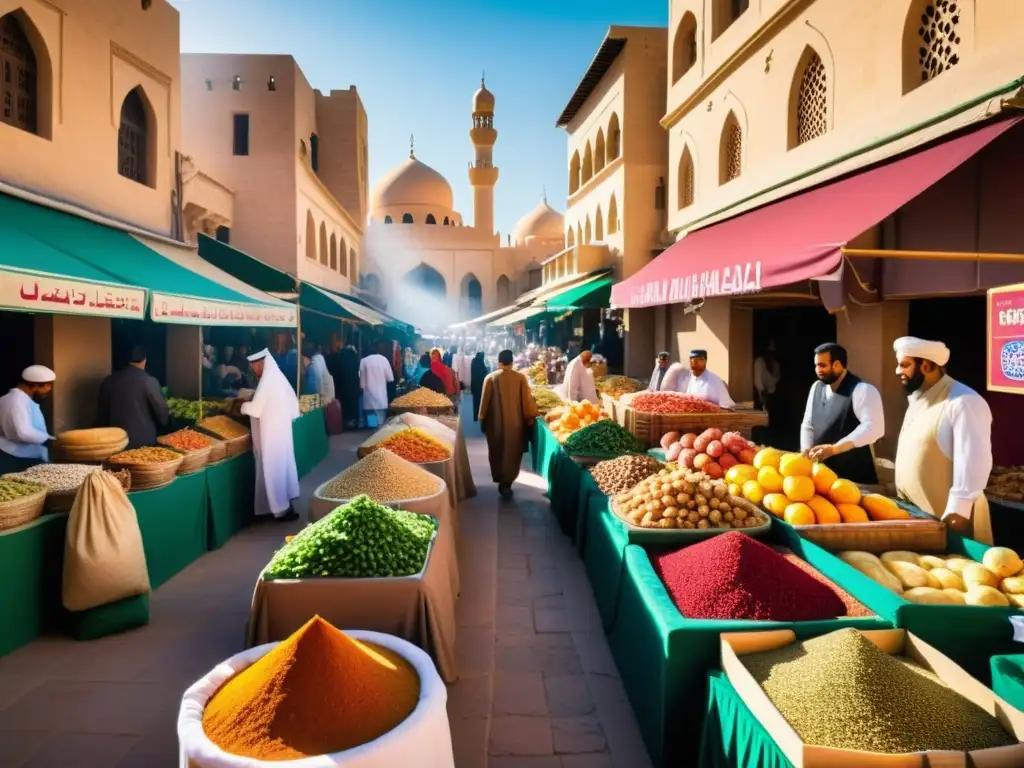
{"points": [[22, 427], [464, 369], [765, 378], [579, 382], [866, 402], [709, 386], [655, 385], [324, 380], [677, 378], [374, 374]]}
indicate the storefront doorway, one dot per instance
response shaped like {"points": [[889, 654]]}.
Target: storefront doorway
{"points": [[18, 332]]}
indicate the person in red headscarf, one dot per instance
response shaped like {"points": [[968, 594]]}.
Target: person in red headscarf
{"points": [[443, 372]]}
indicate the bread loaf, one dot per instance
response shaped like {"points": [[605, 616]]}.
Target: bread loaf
{"points": [[90, 437]]}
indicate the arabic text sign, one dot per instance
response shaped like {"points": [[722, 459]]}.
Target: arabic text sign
{"points": [[190, 311], [724, 281], [1006, 339], [41, 293]]}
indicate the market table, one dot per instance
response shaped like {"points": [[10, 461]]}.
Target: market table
{"points": [[543, 448], [1008, 678], [230, 491], [732, 737]]}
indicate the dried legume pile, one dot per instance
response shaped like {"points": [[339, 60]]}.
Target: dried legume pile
{"points": [[224, 426], [842, 691], [185, 440], [672, 402], [618, 475], [383, 476], [59, 478], [853, 606], [148, 455], [416, 446], [602, 438], [429, 424], [11, 490], [733, 576], [421, 398], [362, 539], [616, 386]]}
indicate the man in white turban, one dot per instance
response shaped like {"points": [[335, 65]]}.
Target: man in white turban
{"points": [[272, 409], [944, 454], [23, 433]]}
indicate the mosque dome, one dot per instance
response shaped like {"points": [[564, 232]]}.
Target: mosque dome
{"points": [[413, 183], [543, 223], [483, 100]]}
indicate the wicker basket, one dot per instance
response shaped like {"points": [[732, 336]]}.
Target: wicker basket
{"points": [[218, 451], [918, 534], [238, 445], [21, 511], [88, 454], [194, 461], [146, 477], [650, 427]]}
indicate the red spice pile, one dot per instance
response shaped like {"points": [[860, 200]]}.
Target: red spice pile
{"points": [[733, 576], [854, 607], [672, 402]]}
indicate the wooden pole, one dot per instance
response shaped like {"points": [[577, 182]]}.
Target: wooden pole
{"points": [[1013, 258]]}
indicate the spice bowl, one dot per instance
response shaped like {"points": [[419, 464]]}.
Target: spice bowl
{"points": [[423, 739]]}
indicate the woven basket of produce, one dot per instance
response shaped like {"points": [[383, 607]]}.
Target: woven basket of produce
{"points": [[21, 502], [649, 415], [218, 451], [239, 445], [917, 534], [62, 482], [223, 427], [195, 446], [421, 400], [90, 445], [151, 467]]}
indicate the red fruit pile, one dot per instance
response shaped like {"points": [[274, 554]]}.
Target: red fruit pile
{"points": [[672, 402], [733, 576], [711, 452]]}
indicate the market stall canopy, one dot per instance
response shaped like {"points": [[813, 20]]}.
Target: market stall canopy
{"points": [[798, 238], [593, 293], [340, 304], [519, 316], [485, 318]]}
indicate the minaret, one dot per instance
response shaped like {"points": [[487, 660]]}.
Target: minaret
{"points": [[483, 174]]}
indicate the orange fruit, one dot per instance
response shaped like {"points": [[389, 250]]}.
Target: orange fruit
{"points": [[767, 457], [775, 503], [824, 511], [852, 513], [799, 514], [823, 478], [798, 488], [844, 492], [753, 492], [769, 479], [795, 465]]}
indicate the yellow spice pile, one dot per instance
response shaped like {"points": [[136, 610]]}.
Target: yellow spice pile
{"points": [[383, 477], [421, 398]]}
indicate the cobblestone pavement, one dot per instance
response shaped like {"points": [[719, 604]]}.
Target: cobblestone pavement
{"points": [[537, 688]]}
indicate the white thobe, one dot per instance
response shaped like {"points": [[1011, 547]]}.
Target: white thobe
{"points": [[374, 374], [579, 382], [655, 384], [22, 427], [323, 378], [677, 378], [866, 402], [272, 410], [709, 386]]}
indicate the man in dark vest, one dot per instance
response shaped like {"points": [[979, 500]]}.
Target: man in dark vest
{"points": [[844, 417]]}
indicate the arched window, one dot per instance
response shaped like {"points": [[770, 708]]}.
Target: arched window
{"points": [[599, 151], [684, 47], [614, 138], [587, 232], [613, 216], [504, 291], [724, 13], [314, 152], [574, 173], [431, 219], [133, 138], [599, 226], [310, 236], [352, 265], [334, 251], [730, 160], [579, 235], [387, 219], [809, 111], [931, 41], [685, 180], [445, 222], [323, 244], [407, 218], [428, 279], [342, 261], [588, 164], [20, 82], [570, 238], [472, 296]]}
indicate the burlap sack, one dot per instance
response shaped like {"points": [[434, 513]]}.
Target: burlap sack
{"points": [[103, 556]]}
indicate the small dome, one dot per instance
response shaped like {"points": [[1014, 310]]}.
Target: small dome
{"points": [[483, 100], [413, 183], [543, 222]]}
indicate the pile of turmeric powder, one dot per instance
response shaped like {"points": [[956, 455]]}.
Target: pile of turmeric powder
{"points": [[318, 692]]}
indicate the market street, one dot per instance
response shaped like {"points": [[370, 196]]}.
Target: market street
{"points": [[538, 687]]}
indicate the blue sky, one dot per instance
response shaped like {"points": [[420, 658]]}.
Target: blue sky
{"points": [[417, 63]]}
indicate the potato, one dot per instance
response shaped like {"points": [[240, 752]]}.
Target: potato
{"points": [[931, 561], [1013, 585], [928, 596], [872, 567], [911, 575], [958, 563], [1002, 561], [668, 438], [977, 575], [902, 556], [982, 595], [956, 596], [948, 579]]}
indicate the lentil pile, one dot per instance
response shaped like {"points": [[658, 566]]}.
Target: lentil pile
{"points": [[421, 398], [602, 438], [185, 440], [223, 426], [148, 455], [733, 576], [383, 476], [618, 475], [672, 402], [59, 478], [12, 490], [842, 691], [362, 539], [416, 446], [318, 692]]}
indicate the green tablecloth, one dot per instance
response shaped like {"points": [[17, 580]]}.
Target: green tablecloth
{"points": [[591, 502], [732, 737], [309, 433], [230, 488], [543, 448], [564, 479], [604, 558], [664, 658], [1008, 678]]}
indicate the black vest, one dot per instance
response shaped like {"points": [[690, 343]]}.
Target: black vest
{"points": [[832, 420]]}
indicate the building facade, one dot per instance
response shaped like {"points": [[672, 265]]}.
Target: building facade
{"points": [[296, 159]]}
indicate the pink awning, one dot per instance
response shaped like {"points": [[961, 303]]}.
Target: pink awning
{"points": [[798, 238]]}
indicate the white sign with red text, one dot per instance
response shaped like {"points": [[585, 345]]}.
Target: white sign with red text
{"points": [[724, 281], [53, 294], [164, 308]]}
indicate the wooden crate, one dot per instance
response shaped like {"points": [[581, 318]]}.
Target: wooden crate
{"points": [[649, 427]]}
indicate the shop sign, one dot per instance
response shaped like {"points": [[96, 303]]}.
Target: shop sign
{"points": [[192, 311], [724, 281], [1006, 339], [59, 295]]}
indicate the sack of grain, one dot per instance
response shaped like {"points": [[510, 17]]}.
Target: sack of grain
{"points": [[103, 556]]}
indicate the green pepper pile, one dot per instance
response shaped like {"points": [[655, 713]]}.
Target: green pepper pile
{"points": [[602, 438], [11, 489], [362, 539], [193, 410]]}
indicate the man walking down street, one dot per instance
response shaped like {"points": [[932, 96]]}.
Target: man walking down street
{"points": [[507, 412]]}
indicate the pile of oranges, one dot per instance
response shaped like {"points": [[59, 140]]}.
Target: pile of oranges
{"points": [[576, 416]]}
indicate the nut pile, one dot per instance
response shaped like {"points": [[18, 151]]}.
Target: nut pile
{"points": [[681, 498], [224, 426], [416, 446], [619, 475], [421, 398], [148, 455], [383, 476], [185, 440], [59, 478], [11, 490], [842, 691]]}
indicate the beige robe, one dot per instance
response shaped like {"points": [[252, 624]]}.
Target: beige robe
{"points": [[924, 474], [507, 411]]}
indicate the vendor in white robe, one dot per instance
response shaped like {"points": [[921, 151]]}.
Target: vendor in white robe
{"points": [[579, 379], [272, 410], [661, 363], [944, 454], [324, 380], [23, 433], [704, 383], [374, 374]]}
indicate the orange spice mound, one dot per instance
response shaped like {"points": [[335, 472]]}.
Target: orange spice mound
{"points": [[318, 692], [416, 446]]}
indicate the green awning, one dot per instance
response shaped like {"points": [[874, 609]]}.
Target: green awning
{"points": [[343, 305], [592, 294], [246, 268]]}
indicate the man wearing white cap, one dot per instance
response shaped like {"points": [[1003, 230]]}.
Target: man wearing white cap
{"points": [[272, 409], [23, 433], [944, 454], [703, 383]]}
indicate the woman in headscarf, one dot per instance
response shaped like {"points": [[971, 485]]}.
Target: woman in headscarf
{"points": [[324, 381], [442, 371], [421, 367], [477, 374], [427, 378]]}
